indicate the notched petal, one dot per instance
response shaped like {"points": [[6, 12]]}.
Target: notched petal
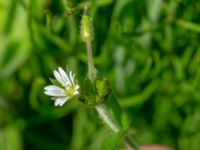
{"points": [[52, 87], [60, 101], [75, 93], [77, 87], [58, 93], [59, 78], [64, 75]]}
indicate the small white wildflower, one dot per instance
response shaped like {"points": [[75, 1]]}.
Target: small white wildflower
{"points": [[67, 87]]}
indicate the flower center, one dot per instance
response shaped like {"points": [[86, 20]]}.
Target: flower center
{"points": [[70, 91]]}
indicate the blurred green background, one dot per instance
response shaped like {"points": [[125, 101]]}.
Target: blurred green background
{"points": [[148, 49]]}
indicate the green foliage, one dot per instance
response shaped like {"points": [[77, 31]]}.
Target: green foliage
{"points": [[148, 50], [111, 141], [116, 112]]}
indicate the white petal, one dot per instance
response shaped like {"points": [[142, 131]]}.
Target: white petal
{"points": [[71, 75], [77, 87], [60, 101], [59, 78], [67, 88], [75, 93], [55, 93], [64, 75], [51, 87]]}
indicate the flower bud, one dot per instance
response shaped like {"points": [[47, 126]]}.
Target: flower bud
{"points": [[97, 93], [102, 88], [86, 28]]}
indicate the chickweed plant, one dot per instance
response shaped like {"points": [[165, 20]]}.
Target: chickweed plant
{"points": [[94, 92]]}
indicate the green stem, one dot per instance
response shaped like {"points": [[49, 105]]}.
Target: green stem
{"points": [[102, 109], [104, 114], [91, 68], [107, 119], [130, 142]]}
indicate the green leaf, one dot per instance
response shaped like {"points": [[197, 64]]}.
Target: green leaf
{"points": [[12, 138], [35, 92], [16, 44], [112, 140], [116, 112]]}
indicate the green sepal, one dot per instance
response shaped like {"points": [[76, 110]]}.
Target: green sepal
{"points": [[97, 93], [102, 88], [88, 94]]}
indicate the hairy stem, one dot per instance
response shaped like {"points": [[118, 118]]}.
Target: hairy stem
{"points": [[91, 68], [102, 109], [103, 113], [107, 119]]}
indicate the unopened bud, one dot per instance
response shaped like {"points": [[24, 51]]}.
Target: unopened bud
{"points": [[86, 28], [95, 94]]}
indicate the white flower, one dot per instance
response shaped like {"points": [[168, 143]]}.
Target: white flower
{"points": [[67, 87]]}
